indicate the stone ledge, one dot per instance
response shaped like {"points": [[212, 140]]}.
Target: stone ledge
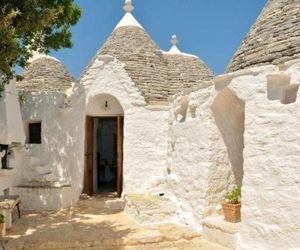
{"points": [[217, 230], [220, 224], [44, 185]]}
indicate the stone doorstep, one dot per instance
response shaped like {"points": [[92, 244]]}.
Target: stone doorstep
{"points": [[103, 203], [217, 230]]}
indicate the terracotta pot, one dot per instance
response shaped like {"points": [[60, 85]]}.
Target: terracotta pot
{"points": [[232, 212]]}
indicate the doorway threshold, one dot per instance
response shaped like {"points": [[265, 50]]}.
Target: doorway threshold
{"points": [[106, 195], [108, 202]]}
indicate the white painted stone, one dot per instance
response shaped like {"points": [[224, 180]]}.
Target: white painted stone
{"points": [[11, 129], [141, 142], [40, 199], [128, 20], [194, 146], [270, 192], [62, 147]]}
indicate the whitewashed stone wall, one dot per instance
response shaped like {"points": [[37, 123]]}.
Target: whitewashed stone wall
{"points": [[60, 152], [63, 134], [201, 168], [11, 131], [145, 127], [200, 172], [11, 177], [270, 193]]}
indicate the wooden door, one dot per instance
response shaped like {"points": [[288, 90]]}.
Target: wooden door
{"points": [[120, 125], [89, 155]]}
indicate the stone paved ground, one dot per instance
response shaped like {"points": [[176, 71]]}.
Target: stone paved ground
{"points": [[89, 228]]}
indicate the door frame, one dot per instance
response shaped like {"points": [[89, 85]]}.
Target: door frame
{"points": [[89, 152]]}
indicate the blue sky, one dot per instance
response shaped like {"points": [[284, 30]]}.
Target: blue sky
{"points": [[210, 29]]}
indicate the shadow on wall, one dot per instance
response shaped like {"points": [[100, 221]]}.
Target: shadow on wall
{"points": [[60, 155], [229, 114], [60, 145]]}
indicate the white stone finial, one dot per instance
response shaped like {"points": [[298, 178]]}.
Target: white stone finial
{"points": [[174, 49], [128, 19], [128, 7], [174, 40]]}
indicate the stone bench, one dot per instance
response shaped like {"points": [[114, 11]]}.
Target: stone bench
{"points": [[7, 205]]}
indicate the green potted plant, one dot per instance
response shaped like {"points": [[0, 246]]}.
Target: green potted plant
{"points": [[232, 205], [2, 221]]}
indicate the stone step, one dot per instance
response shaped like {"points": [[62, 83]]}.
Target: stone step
{"points": [[147, 209], [216, 229], [102, 203]]}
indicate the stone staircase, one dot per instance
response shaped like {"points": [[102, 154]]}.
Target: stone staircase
{"points": [[217, 230]]}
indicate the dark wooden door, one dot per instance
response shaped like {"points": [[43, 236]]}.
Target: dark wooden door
{"points": [[120, 125], [89, 155]]}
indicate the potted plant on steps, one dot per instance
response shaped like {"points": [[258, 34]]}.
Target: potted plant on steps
{"points": [[2, 221], [232, 205]]}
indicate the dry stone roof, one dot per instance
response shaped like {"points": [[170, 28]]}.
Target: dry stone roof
{"points": [[143, 60], [186, 71], [273, 39], [45, 73], [157, 75]]}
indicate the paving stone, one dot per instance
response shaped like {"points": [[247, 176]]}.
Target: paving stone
{"points": [[82, 227]]}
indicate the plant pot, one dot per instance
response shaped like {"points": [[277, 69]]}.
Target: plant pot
{"points": [[232, 212]]}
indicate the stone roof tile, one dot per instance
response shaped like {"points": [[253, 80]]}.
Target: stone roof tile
{"points": [[273, 39], [158, 75], [45, 73]]}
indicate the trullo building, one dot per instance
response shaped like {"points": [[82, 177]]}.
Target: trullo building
{"points": [[159, 128]]}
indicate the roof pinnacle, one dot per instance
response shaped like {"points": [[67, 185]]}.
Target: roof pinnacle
{"points": [[174, 40], [128, 7], [174, 49]]}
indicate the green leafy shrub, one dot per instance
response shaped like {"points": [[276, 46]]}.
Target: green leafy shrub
{"points": [[2, 218], [234, 197]]}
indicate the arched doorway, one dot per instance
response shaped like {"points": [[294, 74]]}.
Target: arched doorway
{"points": [[104, 146]]}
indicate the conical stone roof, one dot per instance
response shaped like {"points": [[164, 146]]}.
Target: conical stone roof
{"points": [[45, 73], [157, 74], [273, 39], [144, 62], [186, 71]]}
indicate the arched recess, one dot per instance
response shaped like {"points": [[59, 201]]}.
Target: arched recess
{"points": [[229, 115], [104, 146], [104, 105]]}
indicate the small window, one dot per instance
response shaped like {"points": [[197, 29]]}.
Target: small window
{"points": [[35, 133]]}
